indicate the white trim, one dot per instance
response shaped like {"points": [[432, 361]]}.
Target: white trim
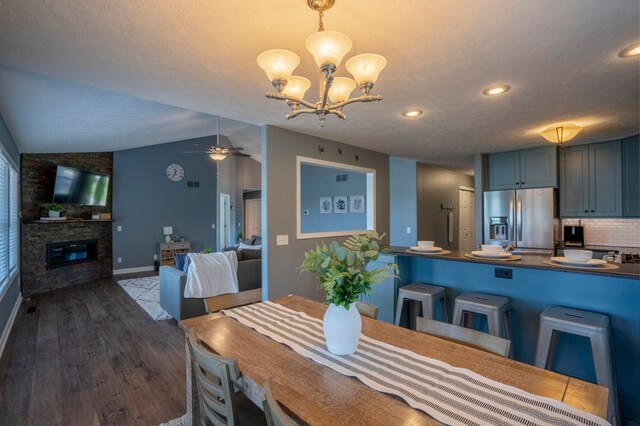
{"points": [[370, 198], [9, 326], [132, 270]]}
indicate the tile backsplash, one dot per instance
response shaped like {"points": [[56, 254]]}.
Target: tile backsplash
{"points": [[609, 232]]}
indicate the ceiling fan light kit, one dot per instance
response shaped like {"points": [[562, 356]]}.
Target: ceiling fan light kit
{"points": [[328, 49]]}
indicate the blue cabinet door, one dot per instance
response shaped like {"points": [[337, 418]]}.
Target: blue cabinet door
{"points": [[631, 176], [574, 181], [539, 167], [504, 170], [605, 179]]}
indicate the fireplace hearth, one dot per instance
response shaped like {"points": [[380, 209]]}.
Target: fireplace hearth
{"points": [[71, 253]]}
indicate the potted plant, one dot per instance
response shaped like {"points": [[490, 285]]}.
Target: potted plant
{"points": [[344, 276], [53, 209]]}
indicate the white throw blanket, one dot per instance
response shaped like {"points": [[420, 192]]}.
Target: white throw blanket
{"points": [[212, 274]]}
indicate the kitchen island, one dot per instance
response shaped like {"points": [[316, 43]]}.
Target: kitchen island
{"points": [[533, 287]]}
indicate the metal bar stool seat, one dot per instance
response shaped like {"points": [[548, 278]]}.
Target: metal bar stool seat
{"points": [[495, 308], [592, 325], [426, 295]]}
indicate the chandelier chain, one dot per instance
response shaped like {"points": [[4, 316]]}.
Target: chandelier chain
{"points": [[320, 23]]}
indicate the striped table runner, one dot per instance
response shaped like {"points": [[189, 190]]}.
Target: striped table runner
{"points": [[451, 395]]}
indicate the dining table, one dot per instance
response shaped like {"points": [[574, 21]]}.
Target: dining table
{"points": [[317, 395]]}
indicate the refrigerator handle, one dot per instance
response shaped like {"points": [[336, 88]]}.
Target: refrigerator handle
{"points": [[511, 237], [519, 218]]}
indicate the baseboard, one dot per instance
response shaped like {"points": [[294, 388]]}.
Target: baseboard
{"points": [[9, 326], [132, 270]]}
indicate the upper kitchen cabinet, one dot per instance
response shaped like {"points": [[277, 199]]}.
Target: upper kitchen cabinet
{"points": [[631, 176], [591, 180], [529, 168]]}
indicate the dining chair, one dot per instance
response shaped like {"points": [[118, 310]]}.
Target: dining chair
{"points": [[272, 410], [215, 377], [232, 300], [465, 336], [367, 310]]}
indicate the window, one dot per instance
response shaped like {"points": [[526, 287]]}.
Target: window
{"points": [[9, 228]]}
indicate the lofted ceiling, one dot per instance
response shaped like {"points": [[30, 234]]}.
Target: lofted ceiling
{"points": [[93, 76]]}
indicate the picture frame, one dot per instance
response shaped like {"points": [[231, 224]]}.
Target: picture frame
{"points": [[340, 204], [326, 205], [357, 204]]}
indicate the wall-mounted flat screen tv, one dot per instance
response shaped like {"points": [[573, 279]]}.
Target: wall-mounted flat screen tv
{"points": [[75, 186]]}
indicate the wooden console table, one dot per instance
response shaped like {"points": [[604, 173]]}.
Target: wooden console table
{"points": [[166, 251]]}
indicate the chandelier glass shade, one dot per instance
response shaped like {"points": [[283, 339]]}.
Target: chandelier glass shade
{"points": [[328, 49], [559, 134]]}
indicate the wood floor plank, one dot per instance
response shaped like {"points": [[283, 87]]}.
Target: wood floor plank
{"points": [[90, 355]]}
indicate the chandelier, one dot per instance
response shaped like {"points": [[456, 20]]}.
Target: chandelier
{"points": [[328, 48], [560, 133]]}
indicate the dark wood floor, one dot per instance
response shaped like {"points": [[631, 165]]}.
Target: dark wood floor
{"points": [[89, 355]]}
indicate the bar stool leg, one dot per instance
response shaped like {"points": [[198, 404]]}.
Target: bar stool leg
{"points": [[457, 315], [414, 311], [427, 310], [605, 376], [544, 344], [495, 326], [399, 306]]}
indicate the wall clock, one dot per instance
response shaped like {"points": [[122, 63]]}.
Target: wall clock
{"points": [[175, 172]]}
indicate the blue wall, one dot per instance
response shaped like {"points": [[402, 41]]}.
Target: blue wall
{"points": [[533, 290], [145, 200], [11, 293], [403, 208], [317, 181]]}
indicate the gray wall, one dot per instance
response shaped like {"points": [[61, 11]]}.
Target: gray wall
{"points": [[280, 147], [247, 178], [438, 186], [12, 291], [145, 200], [402, 206], [318, 181]]}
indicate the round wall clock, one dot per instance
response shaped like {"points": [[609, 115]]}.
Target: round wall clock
{"points": [[175, 172]]}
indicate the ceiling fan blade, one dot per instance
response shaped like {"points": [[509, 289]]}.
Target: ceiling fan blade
{"points": [[196, 152], [239, 154], [235, 149]]}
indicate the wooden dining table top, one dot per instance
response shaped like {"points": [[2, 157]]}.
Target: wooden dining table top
{"points": [[317, 394]]}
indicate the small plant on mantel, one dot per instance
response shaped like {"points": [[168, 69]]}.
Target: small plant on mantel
{"points": [[53, 209], [343, 270]]}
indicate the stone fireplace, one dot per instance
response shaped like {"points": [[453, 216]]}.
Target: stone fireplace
{"points": [[58, 254]]}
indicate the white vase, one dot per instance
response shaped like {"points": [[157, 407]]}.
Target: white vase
{"points": [[54, 213], [342, 329]]}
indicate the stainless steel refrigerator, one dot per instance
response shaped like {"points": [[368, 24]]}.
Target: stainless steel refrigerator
{"points": [[522, 217]]}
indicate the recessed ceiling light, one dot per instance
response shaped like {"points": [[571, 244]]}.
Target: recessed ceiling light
{"points": [[412, 112], [498, 89], [630, 51]]}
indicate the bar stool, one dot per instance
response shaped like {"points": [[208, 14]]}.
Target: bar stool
{"points": [[427, 294], [495, 308], [596, 328]]}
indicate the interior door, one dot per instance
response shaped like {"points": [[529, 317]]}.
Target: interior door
{"points": [[466, 208], [252, 217], [224, 218]]}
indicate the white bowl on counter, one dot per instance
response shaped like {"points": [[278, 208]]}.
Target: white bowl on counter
{"points": [[582, 256], [426, 244], [490, 248]]}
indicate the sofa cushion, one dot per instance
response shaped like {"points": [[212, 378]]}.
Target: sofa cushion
{"points": [[249, 241], [179, 259], [250, 252], [257, 241]]}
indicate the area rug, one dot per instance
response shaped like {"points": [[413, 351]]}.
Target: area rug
{"points": [[146, 292], [180, 421]]}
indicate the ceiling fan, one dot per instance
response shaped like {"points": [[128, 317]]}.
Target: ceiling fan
{"points": [[217, 152]]}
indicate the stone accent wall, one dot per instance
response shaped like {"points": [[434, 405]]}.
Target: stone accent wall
{"points": [[37, 174]]}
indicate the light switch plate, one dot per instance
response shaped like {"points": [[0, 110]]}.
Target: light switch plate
{"points": [[408, 229], [282, 240], [119, 228]]}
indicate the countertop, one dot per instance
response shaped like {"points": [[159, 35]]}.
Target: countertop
{"points": [[534, 261]]}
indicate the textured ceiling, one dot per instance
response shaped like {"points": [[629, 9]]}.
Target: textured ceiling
{"points": [[198, 56]]}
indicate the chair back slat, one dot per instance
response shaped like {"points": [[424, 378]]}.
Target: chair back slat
{"points": [[465, 336], [367, 310], [273, 412], [213, 381]]}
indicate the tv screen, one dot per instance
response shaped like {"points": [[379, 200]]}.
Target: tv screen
{"points": [[75, 186]]}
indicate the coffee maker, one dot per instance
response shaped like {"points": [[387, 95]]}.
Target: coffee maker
{"points": [[573, 236]]}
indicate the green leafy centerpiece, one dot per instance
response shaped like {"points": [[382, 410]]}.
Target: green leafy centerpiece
{"points": [[344, 276]]}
